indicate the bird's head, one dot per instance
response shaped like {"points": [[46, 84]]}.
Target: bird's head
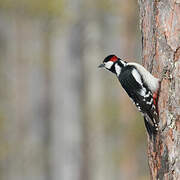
{"points": [[113, 64]]}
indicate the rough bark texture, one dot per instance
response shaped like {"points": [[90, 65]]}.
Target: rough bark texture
{"points": [[160, 27]]}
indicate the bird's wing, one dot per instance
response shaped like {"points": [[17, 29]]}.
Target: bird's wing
{"points": [[143, 99]]}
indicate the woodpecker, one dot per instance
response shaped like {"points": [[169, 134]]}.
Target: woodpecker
{"points": [[141, 86]]}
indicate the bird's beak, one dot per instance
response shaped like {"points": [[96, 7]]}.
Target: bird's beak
{"points": [[101, 66]]}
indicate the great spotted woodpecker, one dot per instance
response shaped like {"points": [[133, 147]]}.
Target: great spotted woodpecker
{"points": [[141, 86]]}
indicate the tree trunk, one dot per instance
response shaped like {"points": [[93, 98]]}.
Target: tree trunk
{"points": [[160, 27]]}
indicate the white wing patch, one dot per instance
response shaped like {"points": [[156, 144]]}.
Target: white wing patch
{"points": [[149, 79], [138, 79], [137, 76], [150, 102], [143, 92]]}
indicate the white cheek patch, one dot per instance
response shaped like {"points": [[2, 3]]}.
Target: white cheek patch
{"points": [[108, 64], [117, 69]]}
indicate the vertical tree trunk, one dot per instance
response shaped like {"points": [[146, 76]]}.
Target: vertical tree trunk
{"points": [[160, 26]]}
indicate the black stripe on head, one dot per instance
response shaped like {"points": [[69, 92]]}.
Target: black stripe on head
{"points": [[121, 63]]}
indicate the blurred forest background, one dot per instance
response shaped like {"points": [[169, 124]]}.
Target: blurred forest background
{"points": [[61, 118]]}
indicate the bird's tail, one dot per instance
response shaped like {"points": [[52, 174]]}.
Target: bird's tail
{"points": [[151, 129]]}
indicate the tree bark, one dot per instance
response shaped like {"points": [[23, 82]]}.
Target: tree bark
{"points": [[160, 27]]}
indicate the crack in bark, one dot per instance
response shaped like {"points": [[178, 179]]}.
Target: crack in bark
{"points": [[154, 33], [176, 56], [164, 164]]}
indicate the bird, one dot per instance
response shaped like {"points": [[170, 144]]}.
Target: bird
{"points": [[140, 85]]}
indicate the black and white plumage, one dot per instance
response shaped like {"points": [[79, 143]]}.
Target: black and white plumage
{"points": [[140, 85]]}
